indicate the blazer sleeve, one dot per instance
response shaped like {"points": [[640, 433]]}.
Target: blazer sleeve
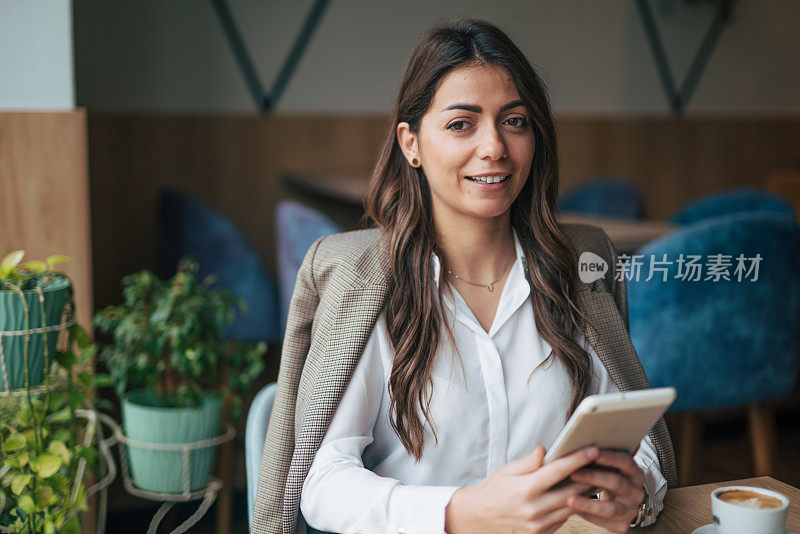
{"points": [[279, 444], [588, 238], [619, 289], [659, 433]]}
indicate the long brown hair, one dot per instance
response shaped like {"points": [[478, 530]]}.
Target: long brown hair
{"points": [[398, 199]]}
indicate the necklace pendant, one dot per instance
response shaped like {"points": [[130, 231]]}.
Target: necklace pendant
{"points": [[490, 287]]}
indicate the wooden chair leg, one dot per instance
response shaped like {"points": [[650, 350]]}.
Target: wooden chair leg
{"points": [[762, 437], [691, 435], [225, 497]]}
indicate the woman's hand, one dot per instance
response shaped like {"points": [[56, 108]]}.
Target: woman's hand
{"points": [[518, 496], [621, 495]]}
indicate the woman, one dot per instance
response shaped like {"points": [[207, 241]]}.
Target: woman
{"points": [[426, 359]]}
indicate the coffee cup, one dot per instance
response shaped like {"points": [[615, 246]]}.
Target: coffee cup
{"points": [[748, 510]]}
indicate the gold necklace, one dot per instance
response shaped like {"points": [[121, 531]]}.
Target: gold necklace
{"points": [[489, 287]]}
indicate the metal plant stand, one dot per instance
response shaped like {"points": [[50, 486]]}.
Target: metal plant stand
{"points": [[208, 493]]}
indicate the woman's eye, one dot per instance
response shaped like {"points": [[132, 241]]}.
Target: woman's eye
{"points": [[521, 121], [453, 126]]}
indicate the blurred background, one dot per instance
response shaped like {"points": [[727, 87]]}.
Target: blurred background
{"points": [[132, 131]]}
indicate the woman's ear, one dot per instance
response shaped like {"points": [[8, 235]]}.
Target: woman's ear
{"points": [[408, 143]]}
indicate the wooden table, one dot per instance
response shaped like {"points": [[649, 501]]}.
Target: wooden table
{"points": [[336, 187], [626, 234], [689, 508]]}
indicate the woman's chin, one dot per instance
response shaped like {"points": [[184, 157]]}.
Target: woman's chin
{"points": [[489, 212]]}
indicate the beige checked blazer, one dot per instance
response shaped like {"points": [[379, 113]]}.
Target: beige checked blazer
{"points": [[340, 291]]}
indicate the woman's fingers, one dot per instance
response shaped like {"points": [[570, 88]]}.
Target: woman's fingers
{"points": [[620, 486], [527, 464], [608, 509], [556, 499], [622, 461], [558, 470], [554, 519], [611, 515]]}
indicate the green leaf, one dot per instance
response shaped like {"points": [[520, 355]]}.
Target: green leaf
{"points": [[18, 460], [73, 527], [10, 262], [25, 503], [103, 380], [20, 483], [55, 259], [25, 417], [46, 465], [62, 434], [80, 335], [66, 359], [85, 379], [61, 416], [7, 478], [43, 495], [88, 453], [60, 449], [14, 442], [37, 266]]}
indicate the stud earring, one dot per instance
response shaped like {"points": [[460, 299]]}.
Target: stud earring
{"points": [[415, 162]]}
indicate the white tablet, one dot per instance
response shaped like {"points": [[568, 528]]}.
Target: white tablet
{"points": [[612, 421]]}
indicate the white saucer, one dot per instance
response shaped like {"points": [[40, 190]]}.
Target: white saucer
{"points": [[711, 528]]}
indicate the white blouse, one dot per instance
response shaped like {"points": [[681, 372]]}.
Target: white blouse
{"points": [[487, 407]]}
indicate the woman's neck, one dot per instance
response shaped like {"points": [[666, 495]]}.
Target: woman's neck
{"points": [[478, 249]]}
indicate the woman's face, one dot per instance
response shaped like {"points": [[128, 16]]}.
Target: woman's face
{"points": [[476, 126]]}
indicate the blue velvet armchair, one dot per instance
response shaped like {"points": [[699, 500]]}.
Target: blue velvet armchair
{"points": [[190, 226], [297, 226], [721, 343], [608, 196], [732, 201]]}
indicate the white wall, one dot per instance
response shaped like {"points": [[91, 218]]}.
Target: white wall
{"points": [[171, 55], [36, 61]]}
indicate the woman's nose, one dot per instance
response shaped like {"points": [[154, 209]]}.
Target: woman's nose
{"points": [[491, 144]]}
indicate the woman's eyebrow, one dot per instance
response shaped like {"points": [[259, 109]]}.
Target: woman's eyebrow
{"points": [[477, 109]]}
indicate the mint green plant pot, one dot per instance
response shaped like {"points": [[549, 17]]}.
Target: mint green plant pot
{"points": [[145, 420], [12, 318]]}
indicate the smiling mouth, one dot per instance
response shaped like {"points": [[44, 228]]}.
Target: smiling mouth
{"points": [[488, 179]]}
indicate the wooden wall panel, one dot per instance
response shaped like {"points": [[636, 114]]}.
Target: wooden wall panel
{"points": [[677, 160], [235, 163], [44, 193]]}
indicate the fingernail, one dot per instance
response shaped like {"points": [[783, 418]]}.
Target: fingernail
{"points": [[592, 452]]}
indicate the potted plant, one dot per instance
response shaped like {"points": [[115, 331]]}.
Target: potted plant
{"points": [[32, 295], [46, 447], [174, 371]]}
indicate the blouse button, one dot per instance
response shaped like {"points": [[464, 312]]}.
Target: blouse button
{"points": [[401, 530]]}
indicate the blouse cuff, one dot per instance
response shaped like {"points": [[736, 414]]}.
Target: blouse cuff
{"points": [[419, 509], [656, 487]]}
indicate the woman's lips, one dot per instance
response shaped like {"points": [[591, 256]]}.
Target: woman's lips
{"points": [[485, 186]]}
